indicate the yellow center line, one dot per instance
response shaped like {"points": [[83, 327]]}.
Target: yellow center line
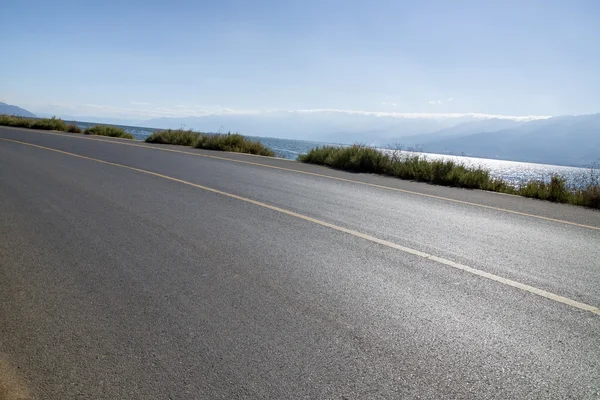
{"points": [[373, 239], [432, 196]]}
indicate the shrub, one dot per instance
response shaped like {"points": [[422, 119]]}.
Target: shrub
{"points": [[555, 190], [50, 124], [105, 130], [175, 136], [589, 197], [16, 121], [359, 158], [233, 142], [228, 142], [73, 128], [318, 155]]}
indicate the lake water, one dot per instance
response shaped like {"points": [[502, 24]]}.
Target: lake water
{"points": [[513, 172]]}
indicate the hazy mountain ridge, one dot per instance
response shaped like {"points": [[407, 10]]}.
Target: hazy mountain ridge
{"points": [[568, 140], [9, 109], [322, 126], [463, 129]]}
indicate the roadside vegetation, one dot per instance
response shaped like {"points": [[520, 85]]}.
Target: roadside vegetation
{"points": [[72, 128], [175, 136], [106, 130], [233, 142], [359, 158], [57, 124], [50, 124], [557, 191]]}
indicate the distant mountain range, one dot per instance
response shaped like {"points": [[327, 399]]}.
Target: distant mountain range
{"points": [[463, 129], [326, 126], [14, 110], [566, 140]]}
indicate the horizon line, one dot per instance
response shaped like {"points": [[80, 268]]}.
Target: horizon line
{"points": [[191, 111]]}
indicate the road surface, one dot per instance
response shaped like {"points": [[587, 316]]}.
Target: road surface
{"points": [[137, 271]]}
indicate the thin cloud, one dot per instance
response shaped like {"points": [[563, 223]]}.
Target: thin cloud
{"points": [[138, 103], [449, 99], [435, 102], [179, 111], [423, 115]]}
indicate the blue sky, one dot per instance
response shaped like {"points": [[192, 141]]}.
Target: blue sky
{"points": [[135, 59]]}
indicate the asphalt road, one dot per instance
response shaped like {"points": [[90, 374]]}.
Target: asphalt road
{"points": [[136, 272]]}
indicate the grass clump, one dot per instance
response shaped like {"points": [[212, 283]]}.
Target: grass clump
{"points": [[13, 120], [57, 124], [588, 197], [555, 190], [111, 131], [175, 136], [72, 128], [358, 158], [50, 124], [233, 142]]}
